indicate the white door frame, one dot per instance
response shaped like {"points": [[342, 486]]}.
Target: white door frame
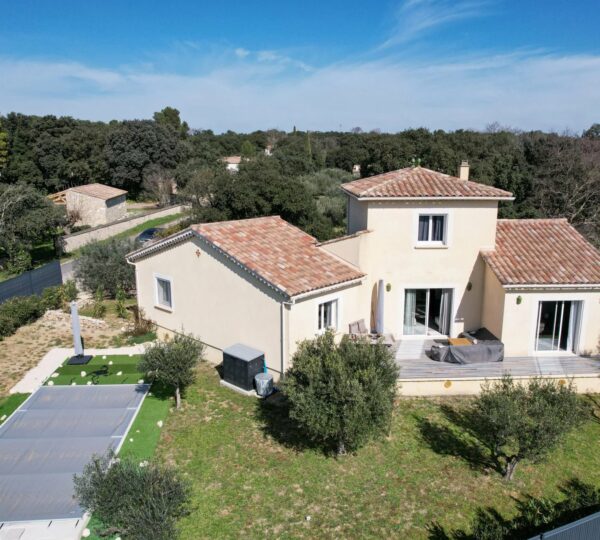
{"points": [[573, 339]]}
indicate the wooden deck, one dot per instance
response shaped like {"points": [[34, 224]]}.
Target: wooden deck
{"points": [[416, 365]]}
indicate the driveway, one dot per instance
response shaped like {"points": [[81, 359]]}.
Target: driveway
{"points": [[49, 439]]}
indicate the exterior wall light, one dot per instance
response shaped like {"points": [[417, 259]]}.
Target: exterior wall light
{"points": [[388, 287], [469, 286], [519, 300]]}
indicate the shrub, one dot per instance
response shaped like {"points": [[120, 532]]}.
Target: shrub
{"points": [[172, 362], [103, 264], [70, 290], [53, 297], [19, 311], [98, 307], [341, 395], [518, 421], [120, 304], [138, 502]]}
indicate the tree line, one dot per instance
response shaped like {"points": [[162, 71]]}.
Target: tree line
{"points": [[550, 174]]}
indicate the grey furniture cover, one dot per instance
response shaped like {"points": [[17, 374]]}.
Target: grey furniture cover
{"points": [[485, 347]]}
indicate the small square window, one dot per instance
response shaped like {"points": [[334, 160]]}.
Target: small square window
{"points": [[163, 292], [327, 316], [432, 229]]}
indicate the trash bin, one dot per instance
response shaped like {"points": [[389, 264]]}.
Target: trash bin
{"points": [[264, 384]]}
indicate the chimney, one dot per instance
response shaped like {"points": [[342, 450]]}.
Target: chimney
{"points": [[463, 171]]}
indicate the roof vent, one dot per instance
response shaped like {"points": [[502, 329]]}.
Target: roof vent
{"points": [[463, 171]]}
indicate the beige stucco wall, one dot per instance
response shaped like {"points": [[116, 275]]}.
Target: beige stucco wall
{"points": [[303, 315], [390, 253], [520, 320], [93, 211], [213, 299], [492, 310], [347, 248]]}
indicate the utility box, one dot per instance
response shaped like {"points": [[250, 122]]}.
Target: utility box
{"points": [[240, 364]]}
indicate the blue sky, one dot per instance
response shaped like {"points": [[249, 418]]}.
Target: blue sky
{"points": [[326, 64]]}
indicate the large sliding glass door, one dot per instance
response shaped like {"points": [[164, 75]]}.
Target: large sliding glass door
{"points": [[557, 325], [427, 312]]}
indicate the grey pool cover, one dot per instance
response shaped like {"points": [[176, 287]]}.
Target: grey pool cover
{"points": [[51, 437]]}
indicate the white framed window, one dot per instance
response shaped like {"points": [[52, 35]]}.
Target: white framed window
{"points": [[164, 292], [327, 315], [432, 229]]}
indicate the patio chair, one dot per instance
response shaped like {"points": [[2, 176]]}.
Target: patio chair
{"points": [[358, 329]]}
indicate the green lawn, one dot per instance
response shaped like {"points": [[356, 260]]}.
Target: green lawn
{"points": [[255, 477], [99, 370], [9, 404]]}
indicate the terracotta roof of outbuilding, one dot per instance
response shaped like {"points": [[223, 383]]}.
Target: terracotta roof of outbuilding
{"points": [[99, 191], [542, 252], [279, 253], [420, 182]]}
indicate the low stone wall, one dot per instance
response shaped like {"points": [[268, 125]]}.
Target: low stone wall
{"points": [[76, 240], [584, 384]]}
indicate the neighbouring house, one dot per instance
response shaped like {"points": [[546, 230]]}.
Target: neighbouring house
{"points": [[425, 257], [232, 163], [356, 170], [94, 204]]}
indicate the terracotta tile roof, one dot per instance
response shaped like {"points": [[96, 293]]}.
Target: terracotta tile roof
{"points": [[233, 160], [279, 253], [100, 191], [420, 182], [542, 252]]}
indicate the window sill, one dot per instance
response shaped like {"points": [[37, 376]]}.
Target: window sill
{"points": [[163, 308], [425, 245]]}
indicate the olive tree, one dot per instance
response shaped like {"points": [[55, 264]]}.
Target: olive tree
{"points": [[103, 265], [141, 501], [341, 395], [173, 363], [524, 421]]}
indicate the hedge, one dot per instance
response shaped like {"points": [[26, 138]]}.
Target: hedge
{"points": [[23, 310]]}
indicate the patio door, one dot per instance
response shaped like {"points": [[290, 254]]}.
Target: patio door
{"points": [[427, 312], [557, 326]]}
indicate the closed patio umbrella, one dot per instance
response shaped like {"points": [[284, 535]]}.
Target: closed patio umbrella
{"points": [[380, 306]]}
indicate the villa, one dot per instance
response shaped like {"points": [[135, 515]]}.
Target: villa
{"points": [[425, 257]]}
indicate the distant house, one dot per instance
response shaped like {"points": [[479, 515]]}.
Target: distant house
{"points": [[356, 170], [95, 204], [269, 150], [232, 163]]}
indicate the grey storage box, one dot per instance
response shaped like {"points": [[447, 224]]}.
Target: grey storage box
{"points": [[240, 365]]}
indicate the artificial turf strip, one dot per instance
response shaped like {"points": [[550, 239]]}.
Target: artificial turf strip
{"points": [[9, 404], [99, 371]]}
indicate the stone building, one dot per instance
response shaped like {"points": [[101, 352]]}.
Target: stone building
{"points": [[95, 204]]}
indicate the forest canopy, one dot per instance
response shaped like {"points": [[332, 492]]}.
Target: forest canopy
{"points": [[550, 174]]}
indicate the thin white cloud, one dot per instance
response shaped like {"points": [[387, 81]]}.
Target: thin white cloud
{"points": [[414, 18], [241, 52], [527, 90]]}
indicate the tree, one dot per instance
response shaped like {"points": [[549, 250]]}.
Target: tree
{"points": [[518, 421], [26, 218], [341, 395], [134, 146], [173, 363], [3, 149], [141, 501], [169, 116], [158, 183], [103, 265], [248, 150]]}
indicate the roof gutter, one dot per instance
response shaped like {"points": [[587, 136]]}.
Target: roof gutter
{"points": [[552, 286], [323, 290], [428, 198]]}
